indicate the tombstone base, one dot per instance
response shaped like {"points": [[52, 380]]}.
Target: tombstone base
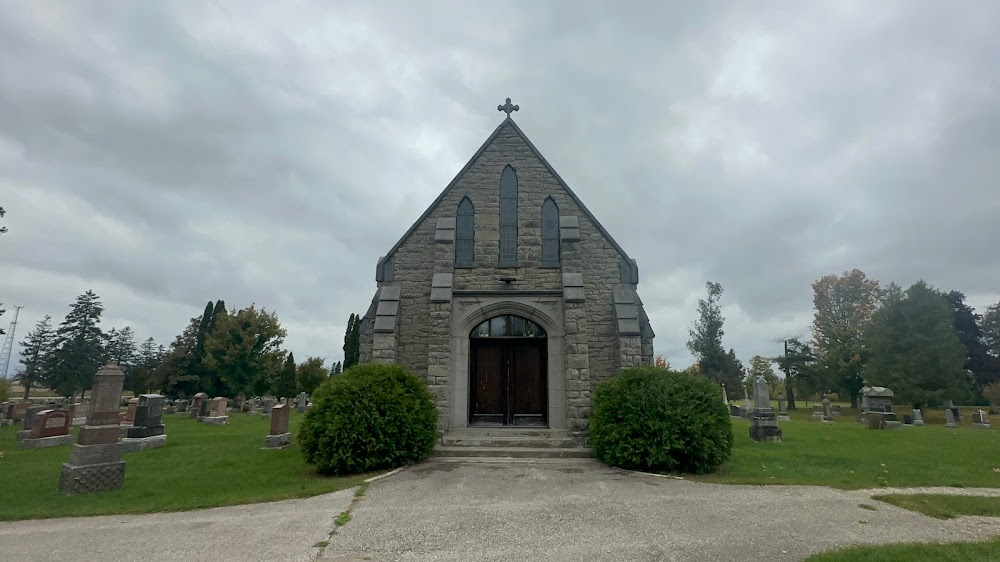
{"points": [[216, 420], [136, 444], [91, 478], [764, 427], [893, 424], [22, 435], [784, 417], [141, 432], [918, 423], [193, 414], [981, 425], [123, 429], [817, 417], [45, 442], [266, 416], [4, 423], [79, 421], [279, 441]]}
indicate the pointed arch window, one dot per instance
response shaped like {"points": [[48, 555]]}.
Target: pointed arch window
{"points": [[508, 217], [465, 234], [550, 233]]}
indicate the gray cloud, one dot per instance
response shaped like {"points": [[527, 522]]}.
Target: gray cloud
{"points": [[168, 154]]}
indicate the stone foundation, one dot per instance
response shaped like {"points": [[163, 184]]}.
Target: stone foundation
{"points": [[91, 478], [217, 420], [764, 427], [45, 442], [278, 441], [136, 444]]}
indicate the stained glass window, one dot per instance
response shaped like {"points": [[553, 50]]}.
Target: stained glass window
{"points": [[465, 233], [550, 233], [508, 217], [507, 326]]}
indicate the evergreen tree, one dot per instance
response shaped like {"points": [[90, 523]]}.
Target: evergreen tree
{"points": [[339, 368], [79, 349], [915, 351], [352, 341], [198, 353], [705, 342], [798, 363], [120, 348], [761, 367], [212, 380], [35, 350], [284, 384], [175, 368], [984, 368], [144, 372]]}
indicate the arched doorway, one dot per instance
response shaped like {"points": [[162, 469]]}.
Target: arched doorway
{"points": [[507, 372]]}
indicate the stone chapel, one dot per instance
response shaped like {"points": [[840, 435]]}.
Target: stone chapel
{"points": [[508, 296]]}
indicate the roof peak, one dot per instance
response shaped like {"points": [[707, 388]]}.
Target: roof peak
{"points": [[508, 108]]}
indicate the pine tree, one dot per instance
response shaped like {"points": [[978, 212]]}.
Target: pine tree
{"points": [[79, 348], [212, 381], [120, 348], [175, 368], [35, 350], [144, 371], [284, 385], [705, 341], [349, 358], [198, 353]]}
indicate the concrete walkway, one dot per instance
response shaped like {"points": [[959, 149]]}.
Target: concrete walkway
{"points": [[582, 510], [561, 510], [285, 530]]}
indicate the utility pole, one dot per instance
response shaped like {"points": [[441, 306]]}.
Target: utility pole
{"points": [[8, 344]]}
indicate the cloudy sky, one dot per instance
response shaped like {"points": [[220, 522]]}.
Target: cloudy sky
{"points": [[167, 154]]}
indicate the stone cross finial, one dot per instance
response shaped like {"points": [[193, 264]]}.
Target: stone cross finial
{"points": [[507, 107]]}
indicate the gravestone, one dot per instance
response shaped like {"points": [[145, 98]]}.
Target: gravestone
{"points": [[980, 420], [725, 398], [217, 412], [50, 428], [817, 412], [877, 401], [182, 406], [129, 417], [95, 462], [147, 432], [949, 418], [268, 404], [28, 422], [19, 411], [907, 420], [746, 402], [199, 399], [303, 401], [77, 414], [918, 418], [827, 410], [782, 411], [837, 410], [251, 407], [279, 436], [203, 410], [763, 422], [734, 411]]}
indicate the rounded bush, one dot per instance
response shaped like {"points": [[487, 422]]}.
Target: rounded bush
{"points": [[370, 417], [655, 420]]}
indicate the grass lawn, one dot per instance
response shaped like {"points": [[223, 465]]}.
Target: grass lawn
{"points": [[844, 455], [200, 466], [944, 506], [931, 552]]}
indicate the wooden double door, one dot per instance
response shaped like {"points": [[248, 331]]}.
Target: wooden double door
{"points": [[508, 382]]}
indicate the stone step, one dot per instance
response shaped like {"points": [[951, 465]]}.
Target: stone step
{"points": [[538, 438], [583, 461], [513, 452]]}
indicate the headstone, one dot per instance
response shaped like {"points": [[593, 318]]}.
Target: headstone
{"points": [[763, 422], [980, 420], [907, 420], [147, 433], [27, 422], [782, 412], [217, 412], [817, 412], [279, 436], [827, 410], [949, 418], [199, 399], [95, 463], [19, 411], [877, 401], [918, 418], [837, 410], [268, 404], [50, 428], [203, 410], [303, 400], [734, 411], [746, 400], [725, 398], [129, 418]]}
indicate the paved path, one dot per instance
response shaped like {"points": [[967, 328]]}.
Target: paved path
{"points": [[285, 530], [564, 510], [584, 511]]}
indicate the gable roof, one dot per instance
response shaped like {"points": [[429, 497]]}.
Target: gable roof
{"points": [[496, 132]]}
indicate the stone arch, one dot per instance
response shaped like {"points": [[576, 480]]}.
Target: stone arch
{"points": [[476, 314]]}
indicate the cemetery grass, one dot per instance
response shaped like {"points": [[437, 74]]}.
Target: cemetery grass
{"points": [[944, 506], [200, 466], [844, 455], [931, 552]]}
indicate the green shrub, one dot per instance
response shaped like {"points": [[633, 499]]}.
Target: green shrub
{"points": [[373, 416], [655, 420]]}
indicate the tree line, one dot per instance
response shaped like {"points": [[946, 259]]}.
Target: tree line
{"points": [[927, 345], [221, 352]]}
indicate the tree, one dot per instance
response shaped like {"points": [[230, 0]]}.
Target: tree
{"points": [[175, 368], [285, 383], [915, 350], [244, 348], [798, 363], [144, 372], [79, 347], [761, 368], [35, 350], [120, 347], [661, 362], [339, 368], [984, 368], [844, 307], [4, 389], [705, 341], [198, 352], [310, 374], [990, 328], [992, 393], [352, 341]]}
